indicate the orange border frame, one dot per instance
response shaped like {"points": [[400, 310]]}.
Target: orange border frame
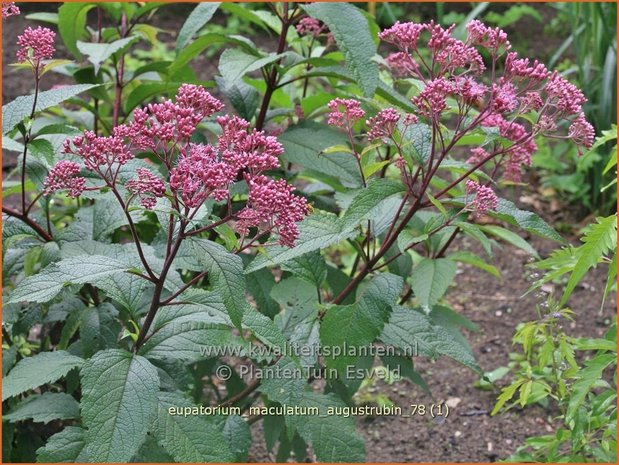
{"points": [[279, 1]]}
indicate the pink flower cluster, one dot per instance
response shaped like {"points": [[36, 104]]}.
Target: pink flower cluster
{"points": [[9, 9], [309, 26], [197, 172], [485, 198], [344, 112], [272, 206], [523, 87], [383, 124], [63, 176], [36, 45], [147, 186]]}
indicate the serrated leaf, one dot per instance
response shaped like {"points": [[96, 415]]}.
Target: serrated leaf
{"points": [[44, 408], [119, 402], [66, 446], [97, 53], [408, 329], [234, 64], [226, 272], [45, 285], [32, 372], [304, 145], [431, 279], [200, 15], [19, 109], [351, 32], [71, 24], [528, 221], [244, 98], [42, 150], [192, 438], [359, 324], [417, 142], [333, 437], [310, 267], [599, 240]]}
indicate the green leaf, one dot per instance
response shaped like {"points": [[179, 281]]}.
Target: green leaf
{"points": [[357, 325], [44, 408], [511, 238], [201, 44], [506, 394], [417, 141], [587, 377], [238, 435], [528, 221], [464, 256], [244, 98], [42, 150], [599, 240], [66, 446], [191, 438], [234, 64], [200, 15], [431, 279], [97, 53], [119, 402], [32, 372], [72, 24], [408, 329], [226, 272], [45, 285], [184, 341], [351, 32], [305, 143], [368, 199], [19, 109], [310, 267], [333, 437], [99, 328], [259, 284]]}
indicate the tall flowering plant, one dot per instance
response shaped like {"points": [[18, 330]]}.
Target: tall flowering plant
{"points": [[313, 216]]}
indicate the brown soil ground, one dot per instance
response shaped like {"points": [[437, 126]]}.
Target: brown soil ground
{"points": [[469, 434]]}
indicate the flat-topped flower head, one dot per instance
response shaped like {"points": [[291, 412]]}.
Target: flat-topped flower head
{"points": [[36, 45], [485, 198], [64, 176], [431, 101], [344, 112], [383, 124], [402, 64], [564, 95], [99, 153], [309, 26], [403, 35], [272, 206], [493, 39], [581, 132], [147, 186], [9, 9]]}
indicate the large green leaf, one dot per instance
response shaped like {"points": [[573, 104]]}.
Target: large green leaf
{"points": [[351, 32], [45, 408], [410, 330], [226, 272], [234, 64], [32, 372], [66, 446], [304, 144], [200, 15], [359, 324], [45, 285], [310, 267], [244, 98], [97, 53], [431, 279], [528, 221], [191, 438], [333, 437], [71, 24], [119, 402], [598, 241], [16, 111]]}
